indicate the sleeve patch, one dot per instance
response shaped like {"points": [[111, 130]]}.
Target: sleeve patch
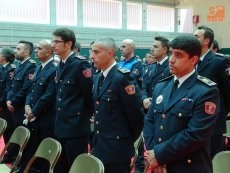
{"points": [[210, 108], [87, 73], [130, 89], [135, 71]]}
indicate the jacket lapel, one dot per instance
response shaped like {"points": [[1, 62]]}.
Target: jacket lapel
{"points": [[205, 63]]}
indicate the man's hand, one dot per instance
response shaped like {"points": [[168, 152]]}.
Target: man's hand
{"points": [[9, 106], [147, 102], [151, 159]]}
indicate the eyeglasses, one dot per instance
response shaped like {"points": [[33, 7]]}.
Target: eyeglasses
{"points": [[57, 41]]}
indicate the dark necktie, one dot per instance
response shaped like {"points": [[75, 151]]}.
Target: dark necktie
{"points": [[62, 64], [100, 81], [39, 70], [175, 87]]}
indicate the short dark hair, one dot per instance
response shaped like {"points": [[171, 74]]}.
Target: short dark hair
{"points": [[28, 45], [215, 45], [66, 34], [208, 33], [8, 54], [187, 43], [77, 46], [164, 41]]}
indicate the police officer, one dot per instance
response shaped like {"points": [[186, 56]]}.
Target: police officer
{"points": [[6, 60], [214, 67], [21, 82], [156, 71], [74, 104], [118, 110], [130, 61], [179, 124]]}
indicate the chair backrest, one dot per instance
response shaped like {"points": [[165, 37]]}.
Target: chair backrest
{"points": [[221, 162], [20, 137], [3, 125], [50, 150], [86, 163], [136, 144]]}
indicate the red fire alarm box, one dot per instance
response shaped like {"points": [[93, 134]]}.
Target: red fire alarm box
{"points": [[195, 19]]}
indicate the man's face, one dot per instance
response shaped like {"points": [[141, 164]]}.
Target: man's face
{"points": [[99, 56], [157, 51], [59, 46], [21, 52], [42, 52], [180, 64], [2, 59], [199, 34], [126, 49]]}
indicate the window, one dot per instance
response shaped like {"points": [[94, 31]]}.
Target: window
{"points": [[25, 11], [66, 12], [102, 13], [134, 16], [160, 18]]}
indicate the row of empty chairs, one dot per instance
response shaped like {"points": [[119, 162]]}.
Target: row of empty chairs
{"points": [[49, 149]]}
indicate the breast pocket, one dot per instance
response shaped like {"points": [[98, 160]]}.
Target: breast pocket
{"points": [[70, 86], [111, 102]]}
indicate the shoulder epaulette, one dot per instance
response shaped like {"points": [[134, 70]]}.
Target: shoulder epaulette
{"points": [[13, 65], [122, 70], [80, 57], [32, 61], [206, 80], [220, 55]]}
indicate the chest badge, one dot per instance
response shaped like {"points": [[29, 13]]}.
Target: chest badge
{"points": [[159, 99]]}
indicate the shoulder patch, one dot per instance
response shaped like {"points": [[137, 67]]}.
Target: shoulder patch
{"points": [[206, 80], [122, 70], [32, 61], [80, 57], [13, 65], [167, 78], [220, 55]]}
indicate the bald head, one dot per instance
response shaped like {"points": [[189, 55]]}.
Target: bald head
{"points": [[127, 48], [44, 50]]}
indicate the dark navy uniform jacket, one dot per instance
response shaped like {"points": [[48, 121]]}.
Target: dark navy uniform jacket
{"points": [[118, 116], [6, 76], [20, 85], [179, 129], [42, 95], [151, 77], [213, 67], [74, 101]]}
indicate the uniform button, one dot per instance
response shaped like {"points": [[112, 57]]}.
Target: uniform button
{"points": [[97, 102], [60, 90], [67, 81], [40, 83], [78, 113], [108, 99], [189, 161], [59, 109], [161, 127], [163, 116], [59, 99], [118, 137], [180, 114], [155, 111], [60, 81], [32, 90], [96, 122], [97, 132], [32, 98], [159, 139], [96, 112]]}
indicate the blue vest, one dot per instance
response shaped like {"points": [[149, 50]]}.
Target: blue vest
{"points": [[128, 64]]}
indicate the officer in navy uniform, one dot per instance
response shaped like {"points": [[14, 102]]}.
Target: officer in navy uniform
{"points": [[40, 100], [74, 103], [6, 60], [130, 61], [182, 116], [118, 110], [21, 82], [156, 71], [213, 67]]}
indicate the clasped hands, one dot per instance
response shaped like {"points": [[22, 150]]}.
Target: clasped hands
{"points": [[152, 163]]}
